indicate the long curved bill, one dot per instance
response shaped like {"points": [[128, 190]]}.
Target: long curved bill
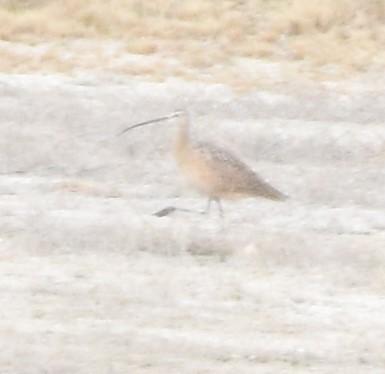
{"points": [[148, 122]]}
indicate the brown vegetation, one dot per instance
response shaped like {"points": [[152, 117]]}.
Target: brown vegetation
{"points": [[196, 36]]}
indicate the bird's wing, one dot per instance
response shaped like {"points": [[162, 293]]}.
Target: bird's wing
{"points": [[232, 175]]}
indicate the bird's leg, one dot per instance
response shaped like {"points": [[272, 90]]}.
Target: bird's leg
{"points": [[207, 210], [219, 204]]}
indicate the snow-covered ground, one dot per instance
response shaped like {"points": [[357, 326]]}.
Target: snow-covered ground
{"points": [[92, 281]]}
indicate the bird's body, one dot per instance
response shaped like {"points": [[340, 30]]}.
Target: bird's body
{"points": [[213, 171], [217, 173]]}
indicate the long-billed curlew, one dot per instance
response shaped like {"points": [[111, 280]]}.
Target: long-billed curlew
{"points": [[213, 171]]}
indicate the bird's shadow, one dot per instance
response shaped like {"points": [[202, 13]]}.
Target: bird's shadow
{"points": [[171, 209]]}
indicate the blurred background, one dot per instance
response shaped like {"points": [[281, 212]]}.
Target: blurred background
{"points": [[227, 41]]}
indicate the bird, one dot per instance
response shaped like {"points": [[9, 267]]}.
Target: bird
{"points": [[214, 171]]}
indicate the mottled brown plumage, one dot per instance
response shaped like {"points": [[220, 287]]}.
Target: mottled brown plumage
{"points": [[214, 171]]}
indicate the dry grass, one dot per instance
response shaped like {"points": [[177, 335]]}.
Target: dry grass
{"points": [[344, 36]]}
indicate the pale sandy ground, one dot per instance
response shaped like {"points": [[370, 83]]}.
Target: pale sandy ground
{"points": [[92, 282]]}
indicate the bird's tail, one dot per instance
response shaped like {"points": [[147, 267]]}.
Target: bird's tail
{"points": [[267, 191]]}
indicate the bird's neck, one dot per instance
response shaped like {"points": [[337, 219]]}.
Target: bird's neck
{"points": [[182, 137]]}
